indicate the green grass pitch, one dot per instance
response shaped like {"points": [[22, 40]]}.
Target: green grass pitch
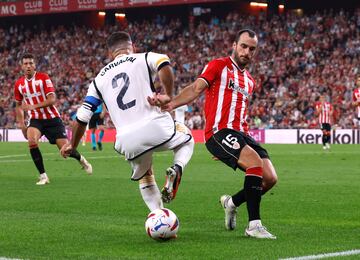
{"points": [[314, 209]]}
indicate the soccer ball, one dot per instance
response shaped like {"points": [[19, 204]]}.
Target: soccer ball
{"points": [[162, 224]]}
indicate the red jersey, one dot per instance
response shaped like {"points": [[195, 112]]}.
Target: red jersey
{"points": [[33, 91], [325, 114], [356, 98], [227, 97]]}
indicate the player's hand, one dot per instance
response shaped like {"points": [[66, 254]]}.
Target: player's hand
{"points": [[159, 100], [66, 150], [168, 107], [27, 107]]}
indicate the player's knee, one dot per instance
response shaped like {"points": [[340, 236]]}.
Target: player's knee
{"points": [[32, 142], [270, 181]]}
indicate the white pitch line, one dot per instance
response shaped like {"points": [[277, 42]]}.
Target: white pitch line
{"points": [[5, 258], [308, 257]]}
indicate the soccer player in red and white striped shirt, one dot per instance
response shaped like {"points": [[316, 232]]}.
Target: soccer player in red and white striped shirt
{"points": [[324, 111], [35, 93], [228, 87], [356, 98]]}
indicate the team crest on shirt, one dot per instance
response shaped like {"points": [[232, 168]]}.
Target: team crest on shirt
{"points": [[237, 88]]}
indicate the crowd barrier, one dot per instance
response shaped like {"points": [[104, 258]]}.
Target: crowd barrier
{"points": [[268, 136]]}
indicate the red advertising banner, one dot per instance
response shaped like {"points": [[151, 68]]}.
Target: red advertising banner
{"points": [[33, 7]]}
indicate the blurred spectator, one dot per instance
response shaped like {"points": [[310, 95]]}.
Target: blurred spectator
{"points": [[292, 67]]}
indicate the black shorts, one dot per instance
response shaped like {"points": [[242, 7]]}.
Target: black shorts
{"points": [[95, 121], [227, 144], [53, 128], [326, 127]]}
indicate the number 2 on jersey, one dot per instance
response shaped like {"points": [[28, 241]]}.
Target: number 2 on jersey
{"points": [[123, 90]]}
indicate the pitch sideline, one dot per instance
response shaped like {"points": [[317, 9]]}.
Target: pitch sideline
{"points": [[319, 256]]}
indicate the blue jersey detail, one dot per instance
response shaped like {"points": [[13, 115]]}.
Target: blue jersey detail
{"points": [[98, 109], [93, 101]]}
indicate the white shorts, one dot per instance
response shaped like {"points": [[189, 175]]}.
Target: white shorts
{"points": [[159, 134]]}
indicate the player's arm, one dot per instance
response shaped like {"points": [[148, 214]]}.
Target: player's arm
{"points": [[188, 94], [20, 120], [49, 101], [83, 116]]}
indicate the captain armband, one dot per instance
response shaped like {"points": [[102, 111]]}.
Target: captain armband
{"points": [[85, 112]]}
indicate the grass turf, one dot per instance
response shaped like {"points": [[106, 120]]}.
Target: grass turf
{"points": [[313, 209]]}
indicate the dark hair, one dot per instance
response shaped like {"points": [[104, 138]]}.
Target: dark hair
{"points": [[116, 39], [27, 55], [251, 33]]}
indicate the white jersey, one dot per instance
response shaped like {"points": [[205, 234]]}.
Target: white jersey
{"points": [[124, 85]]}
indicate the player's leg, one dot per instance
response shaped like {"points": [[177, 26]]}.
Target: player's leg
{"points": [[269, 173], [328, 137], [231, 148], [93, 139], [92, 127], [142, 171], [182, 145], [101, 129], [323, 138], [56, 134], [34, 135], [86, 166]]}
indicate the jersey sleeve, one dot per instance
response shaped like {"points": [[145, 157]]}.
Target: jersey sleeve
{"points": [[211, 72], [48, 85], [156, 61], [18, 96]]}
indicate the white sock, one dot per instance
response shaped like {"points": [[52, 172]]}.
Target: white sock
{"points": [[43, 175], [254, 223], [230, 203], [150, 193], [183, 153]]}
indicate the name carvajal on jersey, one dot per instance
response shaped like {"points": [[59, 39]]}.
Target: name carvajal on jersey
{"points": [[116, 63]]}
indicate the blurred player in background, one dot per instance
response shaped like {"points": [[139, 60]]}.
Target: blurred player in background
{"points": [[324, 110], [97, 121], [35, 93], [356, 99], [228, 87], [141, 129]]}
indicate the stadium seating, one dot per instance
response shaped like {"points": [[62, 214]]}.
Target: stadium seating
{"points": [[298, 58]]}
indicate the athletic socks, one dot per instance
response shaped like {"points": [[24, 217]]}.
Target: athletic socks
{"points": [[75, 154], [101, 135], [182, 154], [150, 192], [93, 140], [253, 187], [37, 158]]}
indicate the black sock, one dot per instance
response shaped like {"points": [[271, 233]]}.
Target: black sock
{"points": [[239, 198], [37, 158], [328, 139], [75, 154], [252, 188], [324, 139]]}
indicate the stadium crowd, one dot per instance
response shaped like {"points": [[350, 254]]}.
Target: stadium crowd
{"points": [[299, 58]]}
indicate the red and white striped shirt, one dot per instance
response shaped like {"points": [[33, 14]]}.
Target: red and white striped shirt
{"points": [[325, 113], [356, 98], [227, 98], [33, 91]]}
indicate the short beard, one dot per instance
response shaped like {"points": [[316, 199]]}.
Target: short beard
{"points": [[241, 65]]}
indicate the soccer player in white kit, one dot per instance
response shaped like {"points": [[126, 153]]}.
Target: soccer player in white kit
{"points": [[124, 85]]}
